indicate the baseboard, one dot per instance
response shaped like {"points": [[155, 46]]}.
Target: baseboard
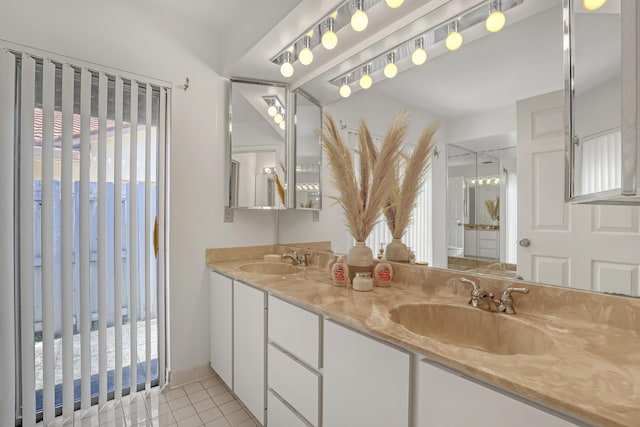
{"points": [[180, 378]]}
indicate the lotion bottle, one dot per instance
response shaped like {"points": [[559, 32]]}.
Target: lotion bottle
{"points": [[340, 272], [383, 273]]}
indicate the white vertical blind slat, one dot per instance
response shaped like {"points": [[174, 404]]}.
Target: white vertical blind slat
{"points": [[133, 240], [148, 245], [102, 239], [162, 147], [66, 236], [84, 242], [48, 95], [117, 236], [7, 256], [26, 241]]}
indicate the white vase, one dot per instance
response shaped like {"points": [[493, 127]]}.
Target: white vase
{"points": [[359, 259], [397, 251]]}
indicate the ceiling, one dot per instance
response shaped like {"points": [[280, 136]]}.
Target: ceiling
{"points": [[488, 72]]}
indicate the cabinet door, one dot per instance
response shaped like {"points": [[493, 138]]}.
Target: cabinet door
{"points": [[445, 399], [279, 415], [366, 382], [220, 317], [249, 342]]}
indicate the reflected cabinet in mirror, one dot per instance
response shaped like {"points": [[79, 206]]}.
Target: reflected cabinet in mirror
{"points": [[600, 85], [308, 152], [257, 145]]}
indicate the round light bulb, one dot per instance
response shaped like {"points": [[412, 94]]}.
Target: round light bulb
{"points": [[479, 182], [394, 3], [282, 125], [453, 41], [593, 4], [272, 111], [305, 56], [278, 118], [390, 70], [345, 91], [495, 21], [329, 40], [359, 20], [366, 81], [286, 69], [419, 56], [496, 181]]}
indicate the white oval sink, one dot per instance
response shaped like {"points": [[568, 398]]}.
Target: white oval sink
{"points": [[471, 327], [270, 268]]}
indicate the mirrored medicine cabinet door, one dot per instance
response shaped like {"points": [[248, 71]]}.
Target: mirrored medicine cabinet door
{"points": [[257, 153], [601, 96], [308, 152]]}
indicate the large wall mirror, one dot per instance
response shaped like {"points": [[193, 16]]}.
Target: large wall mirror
{"points": [[500, 99], [308, 152], [257, 137]]}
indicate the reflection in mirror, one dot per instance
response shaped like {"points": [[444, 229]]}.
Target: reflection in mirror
{"points": [[257, 175], [482, 203], [308, 151], [596, 98]]}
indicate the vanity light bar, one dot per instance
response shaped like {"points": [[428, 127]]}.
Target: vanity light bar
{"points": [[434, 35], [336, 19]]}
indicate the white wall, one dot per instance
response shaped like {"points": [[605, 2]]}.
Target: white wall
{"points": [[163, 47], [377, 110]]}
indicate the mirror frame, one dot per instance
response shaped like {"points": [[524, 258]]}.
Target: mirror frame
{"points": [[229, 139], [293, 150], [630, 168]]}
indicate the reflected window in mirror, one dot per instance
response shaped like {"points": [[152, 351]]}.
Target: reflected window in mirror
{"points": [[257, 141], [308, 152]]}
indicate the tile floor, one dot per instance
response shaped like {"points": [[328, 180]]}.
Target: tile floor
{"points": [[207, 402]]}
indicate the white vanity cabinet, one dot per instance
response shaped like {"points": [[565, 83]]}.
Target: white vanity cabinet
{"points": [[249, 344], [221, 326], [366, 382], [293, 365], [445, 399]]}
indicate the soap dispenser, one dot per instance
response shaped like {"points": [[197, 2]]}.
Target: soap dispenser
{"points": [[383, 273], [340, 273]]}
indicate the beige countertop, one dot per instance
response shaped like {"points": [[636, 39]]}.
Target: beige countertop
{"points": [[591, 370]]}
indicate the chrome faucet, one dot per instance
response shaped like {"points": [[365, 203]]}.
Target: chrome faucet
{"points": [[479, 297], [301, 260], [486, 301]]}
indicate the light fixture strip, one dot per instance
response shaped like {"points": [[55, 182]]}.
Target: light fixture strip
{"points": [[344, 10], [436, 34]]}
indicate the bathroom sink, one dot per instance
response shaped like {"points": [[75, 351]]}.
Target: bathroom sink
{"points": [[270, 268], [471, 327]]}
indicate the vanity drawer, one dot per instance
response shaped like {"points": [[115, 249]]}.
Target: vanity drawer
{"points": [[278, 414], [296, 384], [296, 330]]}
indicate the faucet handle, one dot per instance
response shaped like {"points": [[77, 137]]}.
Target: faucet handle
{"points": [[507, 292], [506, 300], [471, 282]]}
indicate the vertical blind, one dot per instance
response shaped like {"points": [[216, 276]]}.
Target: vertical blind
{"points": [[418, 235], [601, 161], [90, 204]]}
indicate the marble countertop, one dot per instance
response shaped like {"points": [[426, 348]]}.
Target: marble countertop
{"points": [[591, 371]]}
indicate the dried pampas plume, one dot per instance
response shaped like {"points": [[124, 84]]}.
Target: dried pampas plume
{"points": [[407, 185], [362, 195]]}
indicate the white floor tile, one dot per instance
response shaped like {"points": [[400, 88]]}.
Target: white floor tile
{"points": [[184, 413], [238, 417], [204, 405], [230, 407], [193, 421], [198, 396], [210, 415]]}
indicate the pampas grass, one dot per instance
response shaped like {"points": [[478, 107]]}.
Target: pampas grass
{"points": [[493, 208], [406, 186], [362, 197]]}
